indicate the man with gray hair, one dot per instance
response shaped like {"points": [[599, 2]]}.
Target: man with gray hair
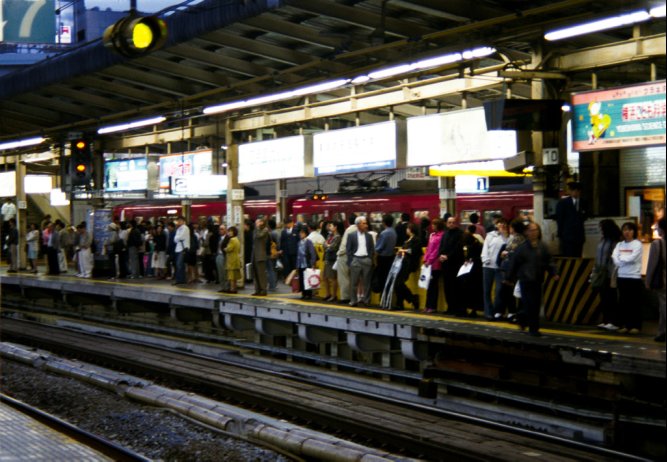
{"points": [[360, 251]]}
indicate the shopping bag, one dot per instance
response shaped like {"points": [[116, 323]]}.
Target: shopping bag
{"points": [[248, 271], [465, 268], [517, 290], [424, 277], [335, 266], [311, 279], [290, 277]]}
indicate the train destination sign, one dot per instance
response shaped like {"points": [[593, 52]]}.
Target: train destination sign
{"points": [[619, 117], [360, 149], [288, 157]]}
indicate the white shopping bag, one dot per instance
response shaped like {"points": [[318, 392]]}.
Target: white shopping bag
{"points": [[517, 290], [424, 277], [311, 279], [465, 268]]}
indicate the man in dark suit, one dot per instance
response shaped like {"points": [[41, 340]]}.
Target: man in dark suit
{"points": [[360, 250], [259, 256], [570, 217], [451, 258]]}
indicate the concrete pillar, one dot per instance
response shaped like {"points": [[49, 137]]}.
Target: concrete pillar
{"points": [[537, 91], [21, 212], [234, 204]]}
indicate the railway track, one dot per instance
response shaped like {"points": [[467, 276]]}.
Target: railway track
{"points": [[416, 431], [101, 445]]}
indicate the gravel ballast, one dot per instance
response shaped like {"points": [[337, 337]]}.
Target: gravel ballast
{"points": [[154, 433]]}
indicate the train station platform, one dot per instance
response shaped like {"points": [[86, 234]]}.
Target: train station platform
{"points": [[414, 334], [24, 438]]}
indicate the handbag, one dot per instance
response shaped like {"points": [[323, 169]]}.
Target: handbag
{"points": [[311, 279], [424, 277], [290, 277]]}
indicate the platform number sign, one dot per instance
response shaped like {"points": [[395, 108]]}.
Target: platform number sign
{"points": [[550, 156], [482, 184], [31, 21]]}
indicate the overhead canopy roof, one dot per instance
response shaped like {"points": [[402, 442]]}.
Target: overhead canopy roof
{"points": [[222, 51]]}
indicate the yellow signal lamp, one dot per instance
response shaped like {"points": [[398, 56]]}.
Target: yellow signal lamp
{"points": [[136, 35], [81, 144], [80, 168], [323, 197]]}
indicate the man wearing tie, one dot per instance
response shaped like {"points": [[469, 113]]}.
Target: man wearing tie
{"points": [[570, 217], [360, 249]]}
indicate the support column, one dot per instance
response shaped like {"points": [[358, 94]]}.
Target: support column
{"points": [[447, 194], [234, 204], [21, 212], [537, 91]]}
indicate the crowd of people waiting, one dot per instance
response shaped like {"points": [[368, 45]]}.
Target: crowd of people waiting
{"points": [[507, 263]]}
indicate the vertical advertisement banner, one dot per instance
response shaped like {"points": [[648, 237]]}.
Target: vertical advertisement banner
{"points": [[619, 117]]}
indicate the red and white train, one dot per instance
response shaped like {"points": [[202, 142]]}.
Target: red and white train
{"points": [[509, 204]]}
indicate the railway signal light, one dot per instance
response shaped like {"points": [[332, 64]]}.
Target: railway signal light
{"points": [[319, 195], [81, 162], [135, 35]]}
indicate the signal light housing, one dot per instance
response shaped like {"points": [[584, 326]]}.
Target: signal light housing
{"points": [[135, 35], [81, 163], [319, 195]]}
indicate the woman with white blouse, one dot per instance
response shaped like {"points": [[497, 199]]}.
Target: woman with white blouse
{"points": [[627, 256]]}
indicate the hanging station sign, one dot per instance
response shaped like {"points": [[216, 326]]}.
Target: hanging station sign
{"points": [[360, 149], [457, 136], [184, 165], [126, 175], [619, 117], [289, 157]]}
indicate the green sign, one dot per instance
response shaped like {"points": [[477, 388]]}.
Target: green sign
{"points": [[30, 21]]}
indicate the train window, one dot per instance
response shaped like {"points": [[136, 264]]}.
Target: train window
{"points": [[488, 217], [526, 215], [418, 215], [465, 216], [375, 221]]}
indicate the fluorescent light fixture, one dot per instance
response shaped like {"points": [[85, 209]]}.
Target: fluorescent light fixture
{"points": [[390, 71], [361, 79], [265, 99], [131, 125], [22, 143], [596, 26], [657, 12]]}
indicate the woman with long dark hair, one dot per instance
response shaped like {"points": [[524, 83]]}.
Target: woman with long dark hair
{"points": [[411, 251], [601, 277]]}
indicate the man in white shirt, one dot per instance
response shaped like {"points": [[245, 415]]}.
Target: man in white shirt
{"points": [[314, 235], [360, 250], [182, 241], [7, 212]]}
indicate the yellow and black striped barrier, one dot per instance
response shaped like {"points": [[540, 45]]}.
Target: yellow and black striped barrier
{"points": [[571, 300]]}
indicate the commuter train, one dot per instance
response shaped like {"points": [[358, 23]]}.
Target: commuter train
{"points": [[509, 204]]}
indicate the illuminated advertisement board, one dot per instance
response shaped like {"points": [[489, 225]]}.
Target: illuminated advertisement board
{"points": [[185, 164], [456, 136], [619, 117], [360, 149], [275, 159], [125, 175]]}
